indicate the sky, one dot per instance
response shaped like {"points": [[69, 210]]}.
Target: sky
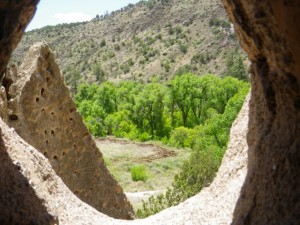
{"points": [[52, 12]]}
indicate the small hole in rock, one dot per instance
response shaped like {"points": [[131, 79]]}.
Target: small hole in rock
{"points": [[48, 79], [75, 192], [47, 142], [37, 99], [63, 153], [43, 110], [43, 92], [52, 113], [72, 110], [71, 119], [45, 153], [46, 132], [55, 157], [52, 132], [74, 146], [13, 117]]}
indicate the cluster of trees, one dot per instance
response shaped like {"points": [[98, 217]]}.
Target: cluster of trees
{"points": [[208, 142], [169, 112], [187, 111]]}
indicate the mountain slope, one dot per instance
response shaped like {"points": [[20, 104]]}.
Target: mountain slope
{"points": [[154, 37]]}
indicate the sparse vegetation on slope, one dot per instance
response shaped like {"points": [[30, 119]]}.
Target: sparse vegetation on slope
{"points": [[140, 41]]}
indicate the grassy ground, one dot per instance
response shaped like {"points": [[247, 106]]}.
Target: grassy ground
{"points": [[161, 162]]}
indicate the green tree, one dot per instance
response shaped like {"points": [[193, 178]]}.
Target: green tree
{"points": [[235, 66], [72, 79], [180, 89], [99, 73], [107, 98], [149, 108]]}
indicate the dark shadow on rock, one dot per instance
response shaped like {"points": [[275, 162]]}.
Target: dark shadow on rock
{"points": [[19, 203]]}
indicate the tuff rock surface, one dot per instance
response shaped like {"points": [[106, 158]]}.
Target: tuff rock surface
{"points": [[45, 116], [269, 31]]}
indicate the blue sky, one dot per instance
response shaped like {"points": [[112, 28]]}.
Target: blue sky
{"points": [[52, 12]]}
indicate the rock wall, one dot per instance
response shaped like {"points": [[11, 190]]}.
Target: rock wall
{"points": [[269, 31], [45, 116], [32, 193]]}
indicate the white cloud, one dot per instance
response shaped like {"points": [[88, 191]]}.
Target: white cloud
{"points": [[72, 17]]}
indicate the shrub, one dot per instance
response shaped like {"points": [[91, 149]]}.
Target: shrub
{"points": [[102, 43], [182, 137], [183, 48], [139, 173], [144, 137]]}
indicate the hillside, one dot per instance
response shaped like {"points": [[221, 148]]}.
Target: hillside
{"points": [[155, 37]]}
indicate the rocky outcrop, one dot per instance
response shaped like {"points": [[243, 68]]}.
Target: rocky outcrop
{"points": [[32, 193], [45, 116], [269, 32]]}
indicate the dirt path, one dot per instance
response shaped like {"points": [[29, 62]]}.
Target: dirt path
{"points": [[136, 198], [144, 152]]}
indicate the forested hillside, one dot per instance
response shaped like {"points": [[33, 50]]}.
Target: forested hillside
{"points": [[152, 38]]}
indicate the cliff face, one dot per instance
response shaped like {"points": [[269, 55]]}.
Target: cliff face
{"points": [[45, 116], [269, 32]]}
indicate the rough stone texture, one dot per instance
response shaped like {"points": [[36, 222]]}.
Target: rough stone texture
{"points": [[14, 17], [3, 104], [269, 31], [32, 193], [44, 115]]}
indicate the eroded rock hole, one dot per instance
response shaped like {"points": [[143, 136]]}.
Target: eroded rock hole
{"points": [[45, 153], [43, 110], [52, 132], [47, 79], [71, 119], [37, 99], [43, 92], [64, 153], [55, 157], [47, 142], [72, 110], [46, 132], [13, 117]]}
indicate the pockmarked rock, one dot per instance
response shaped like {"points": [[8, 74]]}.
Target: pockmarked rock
{"points": [[44, 115]]}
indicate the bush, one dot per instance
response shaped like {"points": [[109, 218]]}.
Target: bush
{"points": [[139, 173], [183, 48], [182, 137], [144, 137]]}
